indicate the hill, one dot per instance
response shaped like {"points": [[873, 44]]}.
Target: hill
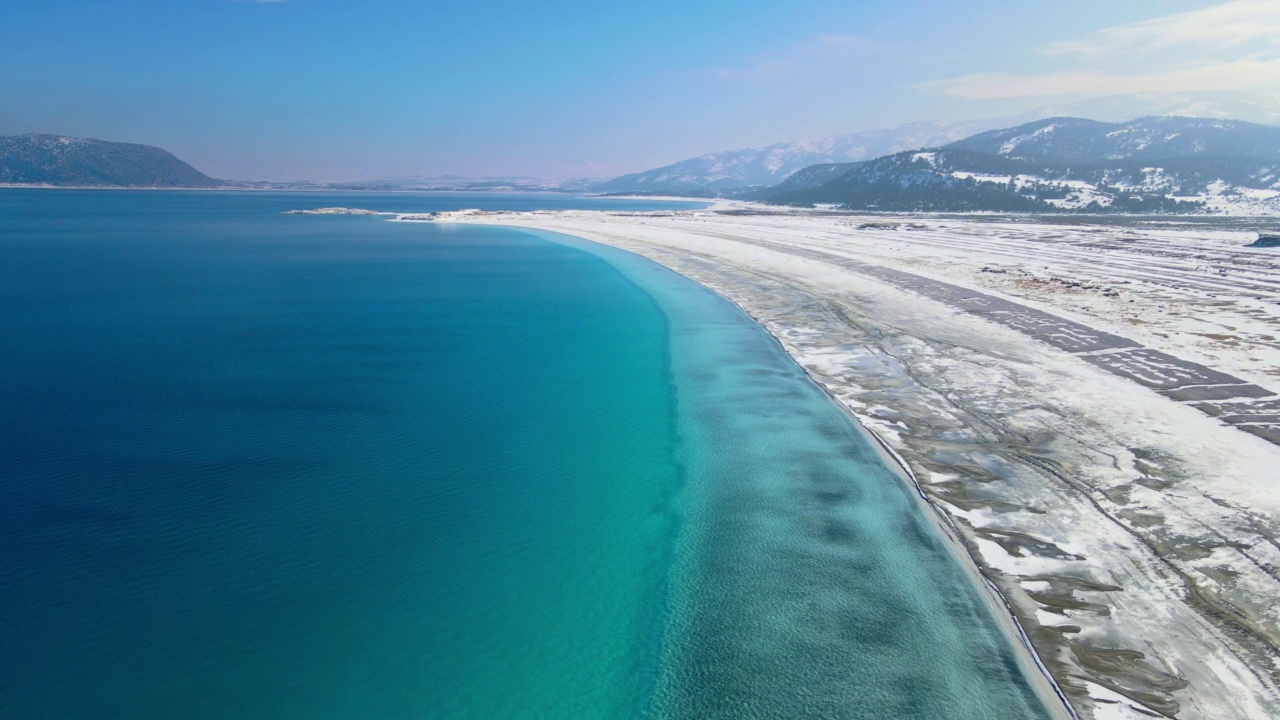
{"points": [[1073, 140], [68, 161], [744, 173], [1160, 164], [764, 167]]}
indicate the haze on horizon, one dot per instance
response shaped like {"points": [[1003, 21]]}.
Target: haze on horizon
{"points": [[323, 90]]}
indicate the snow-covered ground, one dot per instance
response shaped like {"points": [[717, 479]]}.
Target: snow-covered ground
{"points": [[1040, 380]]}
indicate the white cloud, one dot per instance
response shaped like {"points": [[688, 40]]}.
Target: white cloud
{"points": [[1247, 74], [1224, 26], [1229, 46]]}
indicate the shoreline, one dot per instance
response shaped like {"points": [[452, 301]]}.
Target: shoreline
{"points": [[1042, 682], [1027, 451], [1037, 673]]}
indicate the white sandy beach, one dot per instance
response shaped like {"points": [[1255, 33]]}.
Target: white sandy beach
{"points": [[1123, 508]]}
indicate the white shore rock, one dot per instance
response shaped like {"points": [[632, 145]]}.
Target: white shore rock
{"points": [[335, 211]]}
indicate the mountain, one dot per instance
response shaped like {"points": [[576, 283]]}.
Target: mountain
{"points": [[810, 177], [422, 183], [1216, 104], [916, 181], [426, 183], [58, 160], [1161, 164], [767, 166], [1073, 140], [722, 172]]}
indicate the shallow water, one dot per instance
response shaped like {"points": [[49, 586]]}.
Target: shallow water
{"points": [[293, 466], [807, 582]]}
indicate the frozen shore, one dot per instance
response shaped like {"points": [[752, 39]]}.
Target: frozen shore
{"points": [[1108, 468]]}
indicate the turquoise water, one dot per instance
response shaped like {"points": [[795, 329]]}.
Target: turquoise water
{"points": [[331, 467]]}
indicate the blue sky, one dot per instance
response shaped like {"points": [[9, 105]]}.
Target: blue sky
{"points": [[321, 89]]}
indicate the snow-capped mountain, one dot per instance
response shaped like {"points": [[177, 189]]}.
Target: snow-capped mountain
{"points": [[1219, 105], [753, 167], [1165, 165], [768, 166], [1073, 140]]}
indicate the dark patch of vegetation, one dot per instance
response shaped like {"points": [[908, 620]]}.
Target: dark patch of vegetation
{"points": [[64, 161]]}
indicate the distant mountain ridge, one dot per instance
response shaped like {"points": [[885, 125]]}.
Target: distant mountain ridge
{"points": [[421, 183], [755, 167], [733, 172], [1076, 140], [1159, 164], [58, 160]]}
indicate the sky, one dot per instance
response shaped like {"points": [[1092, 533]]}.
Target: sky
{"points": [[329, 90]]}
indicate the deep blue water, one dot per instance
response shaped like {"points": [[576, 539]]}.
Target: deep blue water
{"points": [[258, 465]]}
